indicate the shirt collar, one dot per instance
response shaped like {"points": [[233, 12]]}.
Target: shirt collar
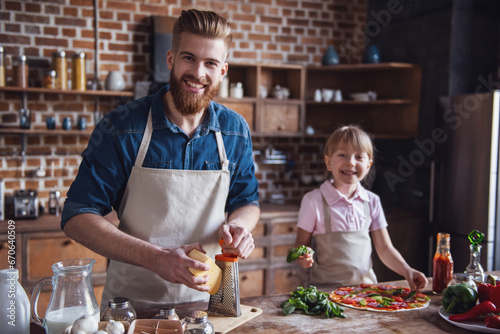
{"points": [[332, 195], [160, 121]]}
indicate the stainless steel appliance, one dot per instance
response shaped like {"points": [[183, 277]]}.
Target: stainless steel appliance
{"points": [[25, 203], [468, 184]]}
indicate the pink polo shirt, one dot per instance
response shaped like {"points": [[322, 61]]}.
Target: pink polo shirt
{"points": [[346, 214]]}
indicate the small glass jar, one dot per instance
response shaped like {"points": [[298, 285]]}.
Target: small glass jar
{"points": [[166, 313], [21, 71], [66, 124], [49, 79], [197, 322], [2, 67], [54, 202], [78, 75], [59, 65], [119, 309]]}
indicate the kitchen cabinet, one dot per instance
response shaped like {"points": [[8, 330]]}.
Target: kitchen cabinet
{"points": [[267, 114], [266, 270], [39, 243], [395, 112]]}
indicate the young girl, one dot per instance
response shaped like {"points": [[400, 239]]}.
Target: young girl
{"points": [[343, 245]]}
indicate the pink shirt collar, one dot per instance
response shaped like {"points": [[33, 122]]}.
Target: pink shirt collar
{"points": [[332, 195]]}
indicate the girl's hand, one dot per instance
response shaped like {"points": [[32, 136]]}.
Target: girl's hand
{"points": [[305, 261], [416, 280]]}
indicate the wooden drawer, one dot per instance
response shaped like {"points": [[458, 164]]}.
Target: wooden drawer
{"points": [[285, 228], [251, 283], [245, 109], [287, 279], [281, 117], [45, 249]]}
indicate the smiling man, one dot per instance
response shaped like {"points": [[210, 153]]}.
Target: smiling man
{"points": [[173, 165]]}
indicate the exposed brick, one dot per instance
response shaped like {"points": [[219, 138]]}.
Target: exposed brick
{"points": [[70, 11], [12, 27], [14, 39], [51, 42], [87, 13], [32, 18], [123, 6], [245, 54], [272, 56], [110, 25], [106, 15], [51, 9], [123, 16], [69, 32], [271, 20], [72, 22], [244, 17], [82, 3], [286, 39], [51, 31], [297, 22], [113, 57], [32, 7], [259, 37], [12, 5]]}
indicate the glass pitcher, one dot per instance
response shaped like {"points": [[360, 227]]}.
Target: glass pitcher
{"points": [[72, 295]]}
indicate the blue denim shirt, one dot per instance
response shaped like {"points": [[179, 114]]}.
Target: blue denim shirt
{"points": [[113, 146]]}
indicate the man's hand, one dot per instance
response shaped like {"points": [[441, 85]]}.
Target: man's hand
{"points": [[172, 265], [237, 240]]}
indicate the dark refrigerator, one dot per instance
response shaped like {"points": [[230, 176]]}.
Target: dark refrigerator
{"points": [[467, 186]]}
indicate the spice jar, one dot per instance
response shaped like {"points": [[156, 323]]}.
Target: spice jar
{"points": [[442, 264], [59, 65], [79, 77], [49, 79], [197, 322], [2, 67], [54, 202], [166, 313], [119, 309], [21, 71]]}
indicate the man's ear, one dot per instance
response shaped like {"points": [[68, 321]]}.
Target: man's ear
{"points": [[170, 60], [223, 71]]}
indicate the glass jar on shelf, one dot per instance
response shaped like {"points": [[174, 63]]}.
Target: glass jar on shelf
{"points": [[59, 65]]}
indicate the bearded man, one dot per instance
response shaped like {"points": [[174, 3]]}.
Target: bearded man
{"points": [[177, 168]]}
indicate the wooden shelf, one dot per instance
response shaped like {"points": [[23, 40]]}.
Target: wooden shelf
{"points": [[361, 103], [67, 91], [18, 131], [360, 67]]}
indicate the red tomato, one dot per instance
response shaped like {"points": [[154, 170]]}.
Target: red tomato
{"points": [[420, 295], [364, 286], [397, 299], [370, 300]]}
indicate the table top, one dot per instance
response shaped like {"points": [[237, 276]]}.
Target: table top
{"points": [[272, 320]]}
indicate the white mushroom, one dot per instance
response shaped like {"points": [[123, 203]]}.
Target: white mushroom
{"points": [[68, 330], [115, 326], [86, 324]]}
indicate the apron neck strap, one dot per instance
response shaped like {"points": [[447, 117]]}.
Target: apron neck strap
{"points": [[327, 219], [222, 151], [143, 149]]}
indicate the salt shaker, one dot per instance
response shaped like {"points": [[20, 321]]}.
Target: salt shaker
{"points": [[166, 313], [197, 322]]}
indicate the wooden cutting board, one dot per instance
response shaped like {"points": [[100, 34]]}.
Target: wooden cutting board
{"points": [[225, 324]]}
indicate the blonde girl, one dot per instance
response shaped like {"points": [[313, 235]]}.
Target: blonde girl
{"points": [[354, 216]]}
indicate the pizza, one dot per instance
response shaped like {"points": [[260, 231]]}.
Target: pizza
{"points": [[379, 298]]}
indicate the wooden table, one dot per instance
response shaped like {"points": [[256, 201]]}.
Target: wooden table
{"points": [[272, 320]]}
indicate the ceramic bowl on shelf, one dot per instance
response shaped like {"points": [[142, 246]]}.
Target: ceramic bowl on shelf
{"points": [[368, 96]]}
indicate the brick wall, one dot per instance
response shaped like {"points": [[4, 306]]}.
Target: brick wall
{"points": [[280, 31]]}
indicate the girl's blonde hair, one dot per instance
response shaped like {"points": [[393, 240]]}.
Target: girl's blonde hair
{"points": [[349, 135], [203, 23]]}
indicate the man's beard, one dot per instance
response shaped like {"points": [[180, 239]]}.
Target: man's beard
{"points": [[186, 102]]}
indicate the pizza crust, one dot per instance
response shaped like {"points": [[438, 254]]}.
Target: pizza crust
{"points": [[366, 308]]}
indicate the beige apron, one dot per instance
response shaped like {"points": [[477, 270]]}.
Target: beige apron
{"points": [[342, 258], [169, 208]]}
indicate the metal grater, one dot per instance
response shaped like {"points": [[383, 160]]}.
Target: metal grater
{"points": [[227, 300]]}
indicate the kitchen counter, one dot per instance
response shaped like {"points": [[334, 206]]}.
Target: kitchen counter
{"points": [[272, 320]]}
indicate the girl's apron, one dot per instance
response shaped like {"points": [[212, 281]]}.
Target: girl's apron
{"points": [[343, 258], [169, 208]]}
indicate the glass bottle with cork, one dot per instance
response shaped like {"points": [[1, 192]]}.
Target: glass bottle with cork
{"points": [[78, 74], [442, 264], [59, 65], [474, 269], [2, 67]]}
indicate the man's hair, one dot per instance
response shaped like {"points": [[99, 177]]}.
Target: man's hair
{"points": [[202, 23]]}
